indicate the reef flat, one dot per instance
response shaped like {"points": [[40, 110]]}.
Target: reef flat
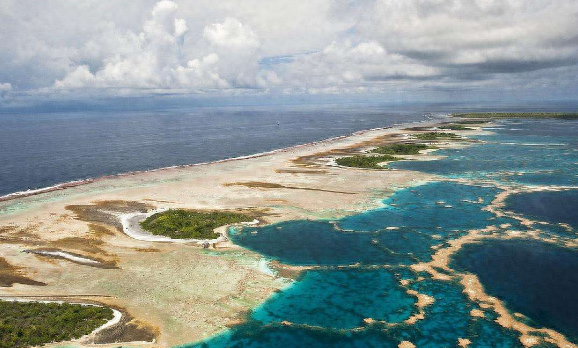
{"points": [[341, 256]]}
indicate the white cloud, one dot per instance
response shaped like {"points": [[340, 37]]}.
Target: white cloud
{"points": [[282, 46], [5, 87], [157, 59], [155, 62], [347, 66], [231, 35]]}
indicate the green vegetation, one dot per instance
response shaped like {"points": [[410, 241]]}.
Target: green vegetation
{"points": [[455, 127], [359, 161], [472, 121], [24, 324], [436, 136], [185, 224], [400, 149], [568, 115]]}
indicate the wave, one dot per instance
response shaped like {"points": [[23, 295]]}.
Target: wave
{"points": [[74, 183]]}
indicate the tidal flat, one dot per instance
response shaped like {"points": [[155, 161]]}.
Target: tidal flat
{"points": [[354, 257]]}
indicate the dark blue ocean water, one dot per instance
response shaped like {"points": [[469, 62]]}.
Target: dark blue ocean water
{"points": [[42, 150]]}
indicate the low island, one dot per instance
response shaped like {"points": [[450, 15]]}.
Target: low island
{"points": [[190, 224], [436, 136], [24, 324], [400, 149], [362, 161]]}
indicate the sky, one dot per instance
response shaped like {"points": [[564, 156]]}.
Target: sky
{"points": [[62, 51]]}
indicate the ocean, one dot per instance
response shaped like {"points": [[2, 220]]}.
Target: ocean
{"points": [[39, 150], [45, 149]]}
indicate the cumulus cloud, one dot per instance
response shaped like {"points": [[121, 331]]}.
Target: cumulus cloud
{"points": [[157, 59], [5, 87], [231, 34], [279, 46]]}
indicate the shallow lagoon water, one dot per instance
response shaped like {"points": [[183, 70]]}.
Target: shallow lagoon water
{"points": [[339, 299], [326, 307], [447, 319], [536, 152]]}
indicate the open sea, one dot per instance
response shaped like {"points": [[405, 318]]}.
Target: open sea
{"points": [[39, 150], [42, 150]]}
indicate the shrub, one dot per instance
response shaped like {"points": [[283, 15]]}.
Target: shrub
{"points": [[400, 149], [360, 161], [436, 136], [455, 127], [185, 224], [24, 324]]}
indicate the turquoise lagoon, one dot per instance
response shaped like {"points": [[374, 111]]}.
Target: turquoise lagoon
{"points": [[361, 263]]}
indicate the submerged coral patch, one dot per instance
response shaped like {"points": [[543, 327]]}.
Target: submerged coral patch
{"points": [[339, 299]]}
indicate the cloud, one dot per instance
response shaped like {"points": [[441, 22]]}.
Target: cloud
{"points": [[231, 35], [157, 59], [345, 66], [492, 36], [5, 87], [279, 46], [153, 62]]}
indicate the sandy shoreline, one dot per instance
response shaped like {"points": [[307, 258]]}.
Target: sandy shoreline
{"points": [[74, 183], [214, 288]]}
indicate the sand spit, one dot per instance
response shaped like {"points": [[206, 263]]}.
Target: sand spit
{"points": [[72, 257], [214, 288]]}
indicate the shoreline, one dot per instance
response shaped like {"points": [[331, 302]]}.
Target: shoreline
{"points": [[219, 286], [216, 288], [81, 182], [131, 227], [116, 315]]}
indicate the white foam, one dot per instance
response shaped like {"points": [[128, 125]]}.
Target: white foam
{"points": [[31, 192], [65, 255], [264, 267]]}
